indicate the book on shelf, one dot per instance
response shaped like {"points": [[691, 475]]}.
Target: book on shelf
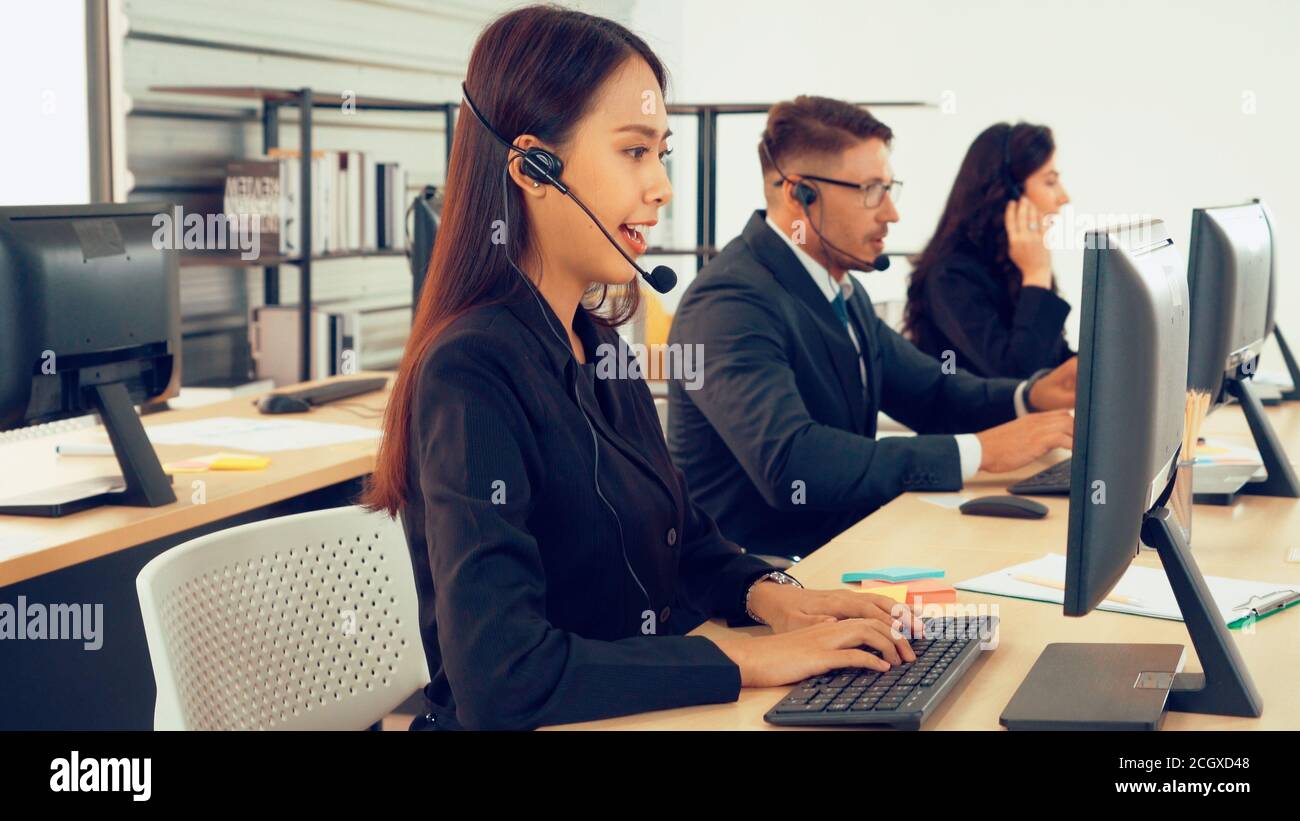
{"points": [[260, 189], [357, 204], [391, 195]]}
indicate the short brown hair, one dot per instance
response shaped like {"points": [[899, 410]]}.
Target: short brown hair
{"points": [[815, 125]]}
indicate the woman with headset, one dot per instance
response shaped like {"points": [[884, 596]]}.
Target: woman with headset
{"points": [[983, 287], [558, 559]]}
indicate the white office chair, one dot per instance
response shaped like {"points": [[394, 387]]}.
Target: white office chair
{"points": [[306, 622]]}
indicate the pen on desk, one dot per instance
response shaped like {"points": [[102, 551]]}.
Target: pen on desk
{"points": [[83, 449], [1055, 585]]}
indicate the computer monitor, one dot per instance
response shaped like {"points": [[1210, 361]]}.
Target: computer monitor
{"points": [[1232, 282], [1129, 402], [1288, 358], [1128, 427], [89, 323], [424, 233], [1230, 277]]}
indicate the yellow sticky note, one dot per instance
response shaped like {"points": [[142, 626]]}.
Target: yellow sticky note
{"points": [[218, 461], [1211, 450], [897, 592], [238, 461]]}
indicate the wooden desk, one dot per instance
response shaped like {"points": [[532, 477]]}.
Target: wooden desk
{"points": [[30, 546], [93, 557], [1248, 540]]}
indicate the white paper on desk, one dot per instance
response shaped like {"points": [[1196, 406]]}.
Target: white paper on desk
{"points": [[258, 435], [951, 502], [1280, 378], [1147, 585], [1227, 452], [14, 544]]}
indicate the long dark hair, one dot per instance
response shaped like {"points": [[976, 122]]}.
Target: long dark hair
{"points": [[974, 216], [534, 70]]}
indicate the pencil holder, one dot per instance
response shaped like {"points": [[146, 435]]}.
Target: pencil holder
{"points": [[1180, 501]]}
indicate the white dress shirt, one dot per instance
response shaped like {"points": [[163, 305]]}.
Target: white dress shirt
{"points": [[969, 450]]}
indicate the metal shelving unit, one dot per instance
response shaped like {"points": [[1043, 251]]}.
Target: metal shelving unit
{"points": [[305, 101]]}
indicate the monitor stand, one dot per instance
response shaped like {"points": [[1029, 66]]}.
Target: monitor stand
{"points": [[1281, 479], [1129, 686], [1291, 367], [142, 483]]}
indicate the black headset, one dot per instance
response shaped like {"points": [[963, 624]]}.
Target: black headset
{"points": [[805, 193], [543, 167], [1014, 189]]}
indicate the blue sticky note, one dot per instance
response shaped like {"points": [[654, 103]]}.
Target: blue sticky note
{"points": [[894, 574]]}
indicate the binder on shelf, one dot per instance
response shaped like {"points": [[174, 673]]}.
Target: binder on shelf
{"points": [[346, 338]]}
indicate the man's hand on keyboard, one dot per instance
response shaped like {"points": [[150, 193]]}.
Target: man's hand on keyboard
{"points": [[1013, 445]]}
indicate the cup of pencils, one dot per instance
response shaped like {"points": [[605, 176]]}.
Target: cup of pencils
{"points": [[1180, 502]]}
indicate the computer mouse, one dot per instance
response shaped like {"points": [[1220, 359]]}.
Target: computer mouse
{"points": [[279, 403], [1012, 507]]}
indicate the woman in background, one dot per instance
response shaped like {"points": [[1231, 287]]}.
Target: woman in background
{"points": [[983, 287]]}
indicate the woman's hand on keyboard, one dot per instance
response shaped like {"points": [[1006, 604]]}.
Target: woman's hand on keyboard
{"points": [[786, 607], [785, 658]]}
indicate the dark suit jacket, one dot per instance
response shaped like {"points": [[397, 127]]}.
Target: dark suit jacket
{"points": [[777, 444], [528, 610], [972, 314]]}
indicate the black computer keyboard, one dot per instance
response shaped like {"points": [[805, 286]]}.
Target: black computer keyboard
{"points": [[905, 695], [1055, 481], [338, 389]]}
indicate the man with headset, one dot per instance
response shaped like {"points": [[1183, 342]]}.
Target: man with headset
{"points": [[777, 440]]}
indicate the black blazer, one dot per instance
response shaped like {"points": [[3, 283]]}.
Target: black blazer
{"points": [[778, 443], [972, 314], [529, 612]]}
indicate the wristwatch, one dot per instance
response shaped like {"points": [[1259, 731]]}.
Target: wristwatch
{"points": [[775, 576]]}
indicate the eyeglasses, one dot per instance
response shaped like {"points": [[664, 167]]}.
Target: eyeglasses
{"points": [[873, 193]]}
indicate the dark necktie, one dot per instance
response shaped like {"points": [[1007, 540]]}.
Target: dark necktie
{"points": [[841, 310]]}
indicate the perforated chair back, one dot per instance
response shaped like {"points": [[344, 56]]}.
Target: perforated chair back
{"points": [[306, 622]]}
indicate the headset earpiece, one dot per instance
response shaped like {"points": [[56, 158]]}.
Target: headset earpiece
{"points": [[542, 166], [804, 193]]}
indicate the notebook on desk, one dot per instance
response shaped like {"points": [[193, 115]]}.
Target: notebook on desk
{"points": [[1143, 591]]}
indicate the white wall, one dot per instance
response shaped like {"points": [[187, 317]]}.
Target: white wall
{"points": [[44, 135], [1158, 107]]}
